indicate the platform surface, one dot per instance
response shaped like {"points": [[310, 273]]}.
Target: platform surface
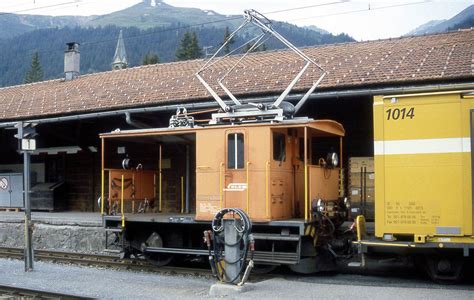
{"points": [[55, 218]]}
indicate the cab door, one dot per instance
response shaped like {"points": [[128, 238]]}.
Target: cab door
{"points": [[235, 186]]}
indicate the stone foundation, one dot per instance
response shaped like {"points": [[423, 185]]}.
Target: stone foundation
{"points": [[86, 239]]}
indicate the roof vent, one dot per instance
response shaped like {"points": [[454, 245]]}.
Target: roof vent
{"points": [[72, 59]]}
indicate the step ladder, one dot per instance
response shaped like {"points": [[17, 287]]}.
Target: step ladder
{"points": [[113, 225]]}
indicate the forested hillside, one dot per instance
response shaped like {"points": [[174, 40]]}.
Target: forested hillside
{"points": [[98, 46]]}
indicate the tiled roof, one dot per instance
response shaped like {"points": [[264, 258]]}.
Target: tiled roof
{"points": [[440, 57]]}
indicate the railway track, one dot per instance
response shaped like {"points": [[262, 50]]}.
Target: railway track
{"points": [[102, 260], [14, 292]]}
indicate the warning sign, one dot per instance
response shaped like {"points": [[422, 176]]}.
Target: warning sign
{"points": [[3, 183]]}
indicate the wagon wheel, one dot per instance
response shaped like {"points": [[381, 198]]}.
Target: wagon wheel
{"points": [[159, 259], [443, 269]]}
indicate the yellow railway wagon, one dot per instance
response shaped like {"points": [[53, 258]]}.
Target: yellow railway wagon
{"points": [[423, 175]]}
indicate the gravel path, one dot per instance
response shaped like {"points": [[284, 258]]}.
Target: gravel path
{"points": [[102, 283], [119, 284]]}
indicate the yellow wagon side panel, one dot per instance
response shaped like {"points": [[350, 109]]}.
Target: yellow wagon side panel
{"points": [[423, 165]]}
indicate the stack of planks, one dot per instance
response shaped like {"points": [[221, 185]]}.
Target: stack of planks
{"points": [[361, 186]]}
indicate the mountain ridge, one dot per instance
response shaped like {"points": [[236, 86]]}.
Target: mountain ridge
{"points": [[464, 19], [98, 37]]}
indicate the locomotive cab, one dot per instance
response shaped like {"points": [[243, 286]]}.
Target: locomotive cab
{"points": [[271, 171], [164, 186], [261, 169]]}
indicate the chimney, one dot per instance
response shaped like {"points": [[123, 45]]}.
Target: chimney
{"points": [[72, 59]]}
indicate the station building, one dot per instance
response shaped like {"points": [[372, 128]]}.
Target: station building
{"points": [[72, 111]]}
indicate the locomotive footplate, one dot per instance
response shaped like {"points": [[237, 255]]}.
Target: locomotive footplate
{"points": [[276, 242], [289, 257]]}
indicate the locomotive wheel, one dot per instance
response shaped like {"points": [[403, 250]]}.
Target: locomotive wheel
{"points": [[444, 269], [159, 259]]}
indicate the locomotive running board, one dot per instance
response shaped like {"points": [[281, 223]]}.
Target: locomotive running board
{"points": [[285, 258]]}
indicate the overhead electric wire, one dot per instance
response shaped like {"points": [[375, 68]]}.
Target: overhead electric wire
{"points": [[236, 18], [304, 7], [41, 7], [361, 10]]}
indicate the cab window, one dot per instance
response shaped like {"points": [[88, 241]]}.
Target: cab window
{"points": [[279, 147], [235, 151]]}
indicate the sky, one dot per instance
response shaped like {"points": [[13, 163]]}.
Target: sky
{"points": [[363, 20]]}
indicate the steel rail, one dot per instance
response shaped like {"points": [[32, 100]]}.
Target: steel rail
{"points": [[103, 260], [15, 292]]}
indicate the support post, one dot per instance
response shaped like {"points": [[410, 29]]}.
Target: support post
{"points": [[121, 202], [102, 179], [221, 192], [232, 253], [247, 191], [28, 229], [306, 174], [187, 179], [267, 186], [182, 194], [160, 183]]}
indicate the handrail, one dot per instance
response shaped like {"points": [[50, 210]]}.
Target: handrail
{"points": [[182, 194], [267, 178], [121, 204], [102, 181], [160, 182], [248, 182], [306, 173], [306, 192], [102, 193], [154, 186], [221, 167], [133, 192]]}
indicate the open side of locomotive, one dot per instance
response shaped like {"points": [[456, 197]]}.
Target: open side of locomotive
{"points": [[285, 176]]}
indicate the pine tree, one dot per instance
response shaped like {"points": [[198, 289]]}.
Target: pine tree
{"points": [[35, 73], [226, 37], [150, 58], [194, 49], [189, 47], [182, 51]]}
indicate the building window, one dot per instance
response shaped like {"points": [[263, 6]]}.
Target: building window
{"points": [[279, 147], [235, 151]]}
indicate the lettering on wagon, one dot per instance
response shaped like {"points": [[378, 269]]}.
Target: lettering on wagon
{"points": [[400, 114], [410, 213]]}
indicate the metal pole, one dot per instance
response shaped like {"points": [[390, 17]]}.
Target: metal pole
{"points": [[232, 250], [306, 173], [160, 180], [187, 178], [28, 229], [102, 178]]}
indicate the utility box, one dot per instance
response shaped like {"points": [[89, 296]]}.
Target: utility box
{"points": [[361, 186], [11, 190], [423, 170], [48, 196]]}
